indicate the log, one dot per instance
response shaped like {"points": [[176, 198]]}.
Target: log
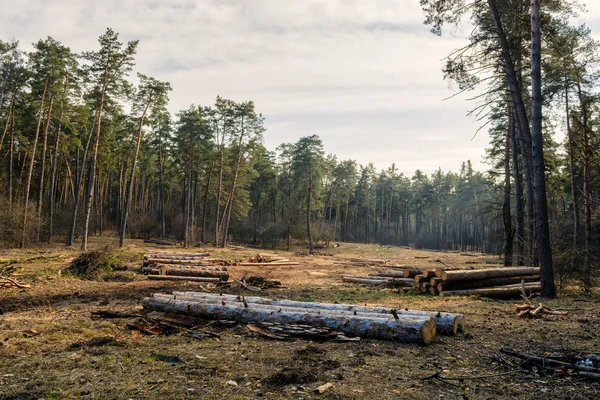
{"points": [[496, 291], [383, 282], [404, 330], [544, 361], [182, 278], [417, 281], [175, 261], [446, 323], [412, 272], [428, 273], [389, 274], [161, 242], [435, 281], [369, 260], [479, 283], [461, 275], [165, 254], [222, 275], [269, 264]]}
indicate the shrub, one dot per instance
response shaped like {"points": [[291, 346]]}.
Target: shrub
{"points": [[94, 264]]}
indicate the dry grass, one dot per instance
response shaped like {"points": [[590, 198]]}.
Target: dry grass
{"points": [[48, 350]]}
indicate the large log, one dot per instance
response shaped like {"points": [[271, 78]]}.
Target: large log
{"points": [[198, 261], [402, 282], [497, 291], [182, 278], [479, 283], [222, 275], [404, 330], [389, 274], [462, 275], [368, 260], [446, 323], [269, 264], [177, 254]]}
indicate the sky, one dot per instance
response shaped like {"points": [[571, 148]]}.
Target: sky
{"points": [[366, 76]]}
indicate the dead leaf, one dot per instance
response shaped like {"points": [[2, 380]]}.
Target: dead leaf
{"points": [[324, 388]]}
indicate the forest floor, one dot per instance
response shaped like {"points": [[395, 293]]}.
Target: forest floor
{"points": [[52, 348]]}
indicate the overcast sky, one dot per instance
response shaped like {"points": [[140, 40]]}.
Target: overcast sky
{"points": [[364, 75]]}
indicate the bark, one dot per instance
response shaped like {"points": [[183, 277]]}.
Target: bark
{"points": [[229, 204], [257, 214], [471, 274], [507, 218], [219, 183], [10, 162], [161, 189], [446, 323], [308, 211], [574, 193], [420, 331], [498, 291], [479, 283], [131, 175], [43, 168], [587, 212], [518, 189], [92, 172], [205, 203], [174, 271], [539, 177], [54, 166], [183, 278], [31, 162]]}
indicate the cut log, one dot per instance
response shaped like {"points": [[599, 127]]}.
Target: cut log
{"points": [[404, 330], [161, 242], [446, 323], [175, 261], [389, 274], [369, 260], [222, 275], [382, 281], [479, 283], [461, 275], [167, 254], [269, 264], [182, 278], [497, 291], [428, 273], [412, 272]]}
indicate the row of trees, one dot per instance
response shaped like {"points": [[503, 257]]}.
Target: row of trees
{"points": [[84, 150]]}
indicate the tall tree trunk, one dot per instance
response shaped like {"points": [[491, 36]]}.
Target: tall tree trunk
{"points": [[43, 168], [161, 189], [92, 174], [219, 184], [131, 175], [518, 186], [539, 177], [53, 168], [188, 194], [574, 193], [257, 214], [10, 163], [508, 230], [31, 162], [205, 202], [587, 212], [229, 204], [308, 233], [8, 119], [77, 196]]}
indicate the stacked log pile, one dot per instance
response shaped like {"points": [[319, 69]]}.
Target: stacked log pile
{"points": [[362, 262], [376, 280], [489, 282], [184, 266], [410, 326]]}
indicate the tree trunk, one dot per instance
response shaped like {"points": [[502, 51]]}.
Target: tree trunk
{"points": [[308, 211], [518, 186], [257, 214], [539, 177], [587, 212], [54, 166], [131, 174], [219, 184], [574, 193], [508, 230], [43, 169], [31, 162], [10, 162], [229, 204], [205, 202], [92, 172], [472, 274]]}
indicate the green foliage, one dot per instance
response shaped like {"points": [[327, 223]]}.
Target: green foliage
{"points": [[95, 264]]}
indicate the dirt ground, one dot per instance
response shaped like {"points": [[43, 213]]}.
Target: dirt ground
{"points": [[52, 348]]}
